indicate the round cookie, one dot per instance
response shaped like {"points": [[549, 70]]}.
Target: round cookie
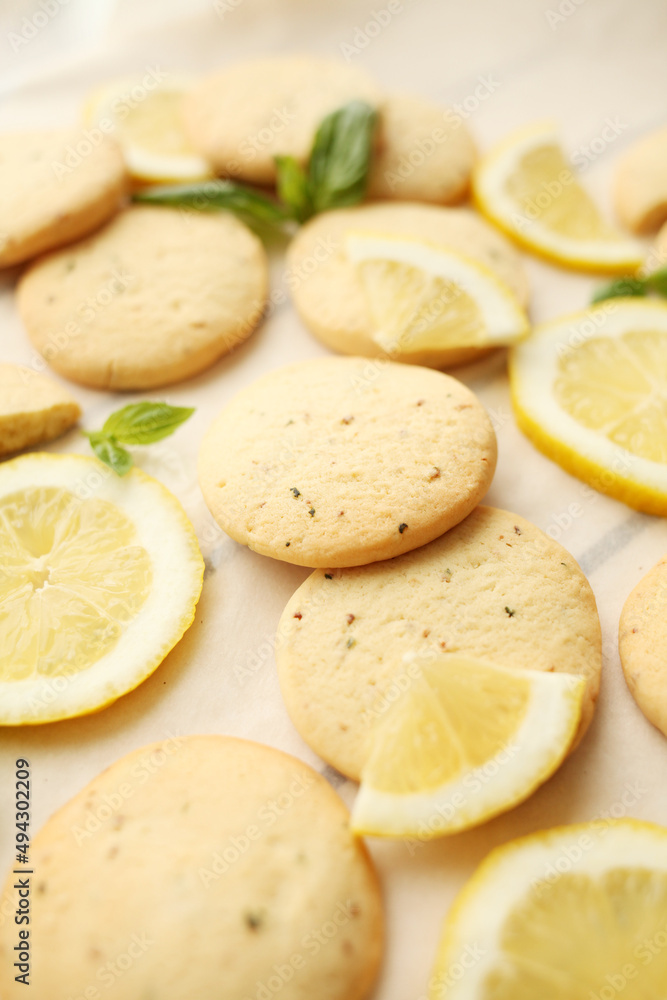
{"points": [[640, 185], [33, 408], [199, 867], [642, 644], [339, 462], [242, 117], [424, 153], [55, 187], [155, 297], [494, 587], [330, 297]]}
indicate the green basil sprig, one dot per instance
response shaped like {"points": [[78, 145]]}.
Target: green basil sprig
{"points": [[336, 176], [633, 287], [138, 423]]}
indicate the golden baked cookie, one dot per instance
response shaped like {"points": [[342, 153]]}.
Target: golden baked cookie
{"points": [[33, 408], [155, 297], [640, 187], [341, 462], [328, 292], [243, 116], [55, 187], [200, 867], [642, 643], [424, 153], [494, 587]]}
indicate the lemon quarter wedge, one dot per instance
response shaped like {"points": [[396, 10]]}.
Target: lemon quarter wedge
{"points": [[590, 391], [466, 741], [528, 189], [575, 913], [423, 297], [99, 579]]}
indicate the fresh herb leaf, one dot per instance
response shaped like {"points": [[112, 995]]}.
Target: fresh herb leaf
{"points": [[341, 157], [138, 423], [210, 196], [657, 281], [620, 288], [293, 187], [109, 452], [144, 423]]}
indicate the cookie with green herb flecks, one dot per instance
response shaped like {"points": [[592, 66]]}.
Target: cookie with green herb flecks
{"points": [[200, 867], [494, 588], [342, 461]]}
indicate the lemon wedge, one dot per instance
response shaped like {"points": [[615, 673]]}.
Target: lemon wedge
{"points": [[590, 391], [422, 297], [146, 121], [575, 913], [466, 741], [527, 188], [100, 578]]}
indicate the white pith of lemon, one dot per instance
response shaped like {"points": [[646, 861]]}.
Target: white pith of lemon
{"points": [[466, 740], [100, 578], [527, 188], [574, 913], [590, 390], [147, 124], [424, 297]]}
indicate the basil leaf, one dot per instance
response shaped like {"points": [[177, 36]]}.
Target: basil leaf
{"points": [[341, 156], [144, 423], [657, 281], [620, 288], [293, 187], [211, 196], [109, 452]]}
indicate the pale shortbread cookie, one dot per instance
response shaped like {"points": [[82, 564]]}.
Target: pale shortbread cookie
{"points": [[642, 642], [242, 117], [657, 257], [424, 153], [33, 408], [494, 587], [330, 297], [202, 867], [155, 297], [640, 187], [55, 187], [340, 462]]}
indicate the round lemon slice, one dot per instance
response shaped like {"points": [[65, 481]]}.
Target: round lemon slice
{"points": [[422, 297], [466, 741], [527, 188], [146, 121], [590, 391], [575, 913], [99, 579]]}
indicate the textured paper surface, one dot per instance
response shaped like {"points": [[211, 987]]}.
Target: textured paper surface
{"points": [[599, 71]]}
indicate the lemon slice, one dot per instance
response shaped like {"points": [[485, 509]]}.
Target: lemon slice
{"points": [[423, 297], [146, 121], [100, 578], [466, 741], [576, 913], [590, 391], [527, 188]]}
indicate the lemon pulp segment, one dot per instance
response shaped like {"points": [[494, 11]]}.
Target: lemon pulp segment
{"points": [[619, 388], [73, 577], [570, 212], [568, 939]]}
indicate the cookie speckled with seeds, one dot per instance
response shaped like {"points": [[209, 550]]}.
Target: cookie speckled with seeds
{"points": [[195, 868], [156, 296], [341, 461], [494, 587]]}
